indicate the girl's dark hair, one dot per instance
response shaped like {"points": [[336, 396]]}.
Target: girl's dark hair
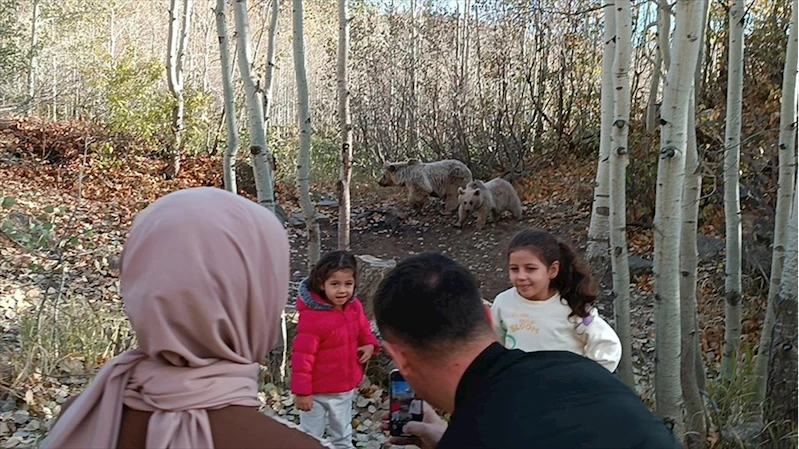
{"points": [[329, 264], [574, 280]]}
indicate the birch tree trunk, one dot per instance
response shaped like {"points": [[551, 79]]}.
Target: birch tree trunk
{"points": [[304, 156], [787, 170], [691, 366], [346, 127], [598, 248], [259, 152], [662, 59], [671, 166], [732, 200], [416, 143], [32, 105], [229, 161], [176, 50], [270, 64], [782, 381], [696, 431], [618, 187]]}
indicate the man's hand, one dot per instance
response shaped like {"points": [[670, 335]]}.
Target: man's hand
{"points": [[427, 433], [304, 403], [365, 353]]}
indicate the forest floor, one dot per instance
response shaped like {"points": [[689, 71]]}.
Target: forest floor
{"points": [[64, 220]]}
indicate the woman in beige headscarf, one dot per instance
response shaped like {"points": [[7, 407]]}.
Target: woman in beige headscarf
{"points": [[204, 278]]}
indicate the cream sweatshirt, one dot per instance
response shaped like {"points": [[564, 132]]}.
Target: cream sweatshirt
{"points": [[546, 326]]}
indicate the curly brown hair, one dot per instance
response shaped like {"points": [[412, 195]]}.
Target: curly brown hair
{"points": [[329, 264], [574, 281]]}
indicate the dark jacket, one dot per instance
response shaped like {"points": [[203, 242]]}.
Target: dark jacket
{"points": [[548, 399]]}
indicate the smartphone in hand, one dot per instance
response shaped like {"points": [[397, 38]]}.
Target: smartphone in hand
{"points": [[404, 405]]}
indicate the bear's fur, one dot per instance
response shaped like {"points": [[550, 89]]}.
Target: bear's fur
{"points": [[487, 199], [440, 179]]}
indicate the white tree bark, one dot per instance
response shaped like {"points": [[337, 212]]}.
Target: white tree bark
{"points": [[782, 380], [618, 187], [691, 366], [270, 62], [598, 247], [671, 166], [416, 142], [32, 60], [304, 156], [696, 432], [229, 160], [259, 151], [176, 50], [732, 200], [344, 204], [787, 173], [662, 59]]}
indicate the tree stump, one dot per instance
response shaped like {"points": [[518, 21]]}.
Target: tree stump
{"points": [[371, 270]]}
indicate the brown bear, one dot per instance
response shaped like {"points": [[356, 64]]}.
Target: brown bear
{"points": [[440, 179], [487, 199]]}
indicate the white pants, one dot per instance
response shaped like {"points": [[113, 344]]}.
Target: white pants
{"points": [[333, 411]]}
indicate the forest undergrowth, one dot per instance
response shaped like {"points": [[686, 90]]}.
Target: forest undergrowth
{"points": [[68, 197]]}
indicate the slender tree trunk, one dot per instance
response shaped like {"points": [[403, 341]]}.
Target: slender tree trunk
{"points": [[31, 106], [787, 170], [782, 382], [652, 103], [692, 371], [259, 151], [696, 431], [270, 62], [732, 200], [304, 156], [699, 364], [229, 161], [598, 248], [662, 59], [618, 187], [416, 143], [177, 46], [671, 166], [346, 127]]}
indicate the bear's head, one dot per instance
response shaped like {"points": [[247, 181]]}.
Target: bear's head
{"points": [[470, 198], [390, 172]]}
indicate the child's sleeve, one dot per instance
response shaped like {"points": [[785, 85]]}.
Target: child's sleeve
{"points": [[365, 334], [496, 321], [303, 356], [601, 342]]}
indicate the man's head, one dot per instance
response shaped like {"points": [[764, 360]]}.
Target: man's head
{"points": [[431, 315]]}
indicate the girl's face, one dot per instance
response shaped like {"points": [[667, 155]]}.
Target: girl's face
{"points": [[339, 287], [531, 276]]}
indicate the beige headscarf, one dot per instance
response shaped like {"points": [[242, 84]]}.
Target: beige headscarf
{"points": [[204, 278]]}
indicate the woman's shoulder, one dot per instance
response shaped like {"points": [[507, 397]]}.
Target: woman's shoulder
{"points": [[240, 427]]}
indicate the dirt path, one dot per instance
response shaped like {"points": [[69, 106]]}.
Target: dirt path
{"points": [[482, 251]]}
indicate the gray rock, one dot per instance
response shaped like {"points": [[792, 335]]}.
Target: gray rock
{"points": [[371, 270], [708, 247], [327, 203], [744, 435], [639, 266]]}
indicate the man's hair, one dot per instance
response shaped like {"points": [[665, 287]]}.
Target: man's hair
{"points": [[431, 303]]}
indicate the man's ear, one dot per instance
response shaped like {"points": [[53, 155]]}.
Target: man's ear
{"points": [[487, 311], [399, 356]]}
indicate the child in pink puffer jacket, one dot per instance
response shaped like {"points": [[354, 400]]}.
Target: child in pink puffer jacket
{"points": [[333, 340]]}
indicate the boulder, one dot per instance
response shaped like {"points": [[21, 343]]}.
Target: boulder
{"points": [[371, 270]]}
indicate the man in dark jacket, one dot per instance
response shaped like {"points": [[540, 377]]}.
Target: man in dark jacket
{"points": [[436, 328]]}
